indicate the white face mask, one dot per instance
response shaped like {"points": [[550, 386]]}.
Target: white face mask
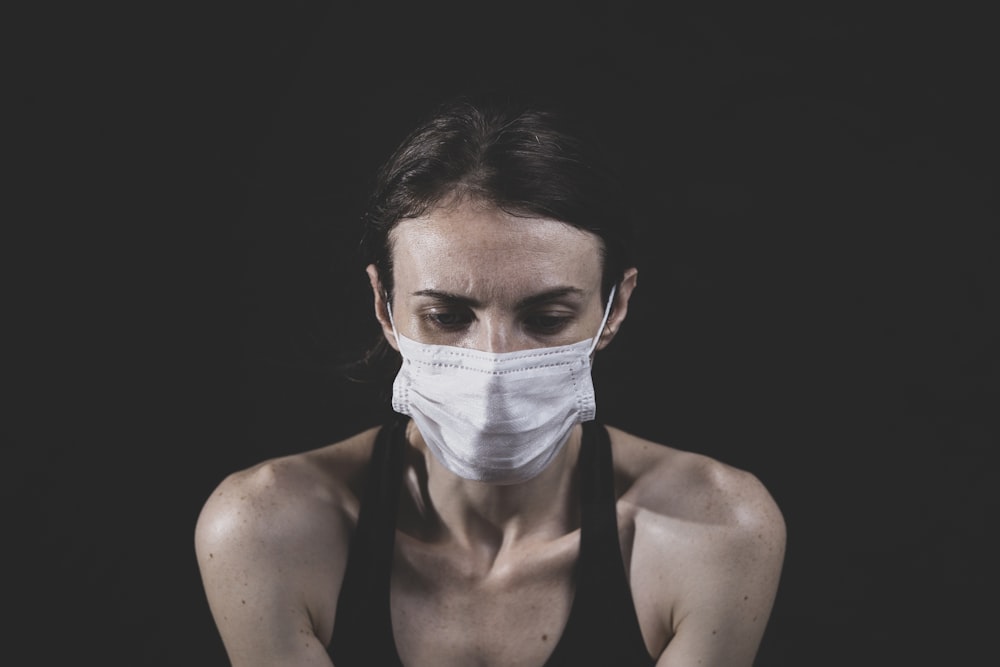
{"points": [[496, 417]]}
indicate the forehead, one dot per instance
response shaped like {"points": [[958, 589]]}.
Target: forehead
{"points": [[477, 249]]}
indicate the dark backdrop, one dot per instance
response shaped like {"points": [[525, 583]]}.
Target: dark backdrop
{"points": [[817, 303]]}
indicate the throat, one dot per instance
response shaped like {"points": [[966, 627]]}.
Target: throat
{"points": [[490, 520]]}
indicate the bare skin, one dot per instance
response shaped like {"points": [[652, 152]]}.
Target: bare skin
{"points": [[703, 542]]}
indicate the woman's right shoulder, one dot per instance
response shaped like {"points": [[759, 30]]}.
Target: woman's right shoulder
{"points": [[272, 542], [290, 497]]}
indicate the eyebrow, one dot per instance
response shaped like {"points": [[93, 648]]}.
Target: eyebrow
{"points": [[534, 299]]}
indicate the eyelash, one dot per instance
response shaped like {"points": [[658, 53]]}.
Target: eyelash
{"points": [[434, 319], [555, 323]]}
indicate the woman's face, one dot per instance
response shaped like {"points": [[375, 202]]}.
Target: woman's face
{"points": [[472, 276]]}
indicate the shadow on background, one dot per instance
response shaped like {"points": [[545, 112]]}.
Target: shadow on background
{"points": [[817, 300]]}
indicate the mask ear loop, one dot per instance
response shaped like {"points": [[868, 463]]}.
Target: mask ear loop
{"points": [[388, 309], [607, 313]]}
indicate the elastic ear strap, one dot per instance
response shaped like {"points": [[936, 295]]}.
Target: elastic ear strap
{"points": [[388, 309], [607, 313]]}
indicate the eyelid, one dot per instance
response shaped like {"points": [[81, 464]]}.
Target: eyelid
{"points": [[546, 323], [552, 309], [432, 313], [561, 307]]}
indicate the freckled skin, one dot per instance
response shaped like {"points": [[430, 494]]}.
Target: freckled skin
{"points": [[703, 542]]}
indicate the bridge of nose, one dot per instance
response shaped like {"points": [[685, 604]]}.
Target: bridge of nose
{"points": [[498, 331]]}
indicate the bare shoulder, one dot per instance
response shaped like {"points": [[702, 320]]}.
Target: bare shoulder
{"points": [[264, 497], [707, 551], [271, 544], [693, 488]]}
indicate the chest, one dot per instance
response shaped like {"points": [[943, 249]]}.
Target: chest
{"points": [[446, 613]]}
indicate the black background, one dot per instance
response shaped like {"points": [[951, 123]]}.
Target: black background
{"points": [[817, 300]]}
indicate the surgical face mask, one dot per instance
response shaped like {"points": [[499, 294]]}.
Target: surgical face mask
{"points": [[496, 417]]}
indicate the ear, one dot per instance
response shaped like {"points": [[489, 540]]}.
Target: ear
{"points": [[619, 309], [381, 307]]}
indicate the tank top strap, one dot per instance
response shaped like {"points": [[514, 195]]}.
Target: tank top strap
{"points": [[362, 631], [603, 628]]}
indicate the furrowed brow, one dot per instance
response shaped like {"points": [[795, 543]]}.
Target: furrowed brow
{"points": [[527, 302], [448, 297]]}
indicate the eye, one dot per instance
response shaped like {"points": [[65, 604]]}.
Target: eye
{"points": [[548, 323], [448, 319]]}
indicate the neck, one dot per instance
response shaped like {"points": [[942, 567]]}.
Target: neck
{"points": [[494, 517]]}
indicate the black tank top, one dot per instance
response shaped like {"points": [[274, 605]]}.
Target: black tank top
{"points": [[602, 629]]}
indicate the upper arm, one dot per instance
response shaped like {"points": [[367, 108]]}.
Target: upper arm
{"points": [[731, 585], [259, 567]]}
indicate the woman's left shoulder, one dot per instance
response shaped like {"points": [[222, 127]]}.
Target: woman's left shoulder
{"points": [[674, 483]]}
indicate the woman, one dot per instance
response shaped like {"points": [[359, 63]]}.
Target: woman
{"points": [[495, 521]]}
